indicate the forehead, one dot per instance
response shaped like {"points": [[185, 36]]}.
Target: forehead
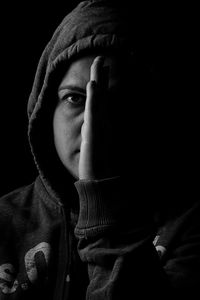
{"points": [[79, 70]]}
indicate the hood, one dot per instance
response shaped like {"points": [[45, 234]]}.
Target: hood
{"points": [[91, 26]]}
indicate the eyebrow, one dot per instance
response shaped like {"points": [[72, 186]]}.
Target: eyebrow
{"points": [[72, 88]]}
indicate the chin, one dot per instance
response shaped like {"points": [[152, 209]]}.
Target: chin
{"points": [[73, 169]]}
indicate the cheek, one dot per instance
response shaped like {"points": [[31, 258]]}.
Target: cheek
{"points": [[67, 130]]}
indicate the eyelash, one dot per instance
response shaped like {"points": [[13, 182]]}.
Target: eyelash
{"points": [[80, 101]]}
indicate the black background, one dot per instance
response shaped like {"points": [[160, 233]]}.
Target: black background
{"points": [[25, 30]]}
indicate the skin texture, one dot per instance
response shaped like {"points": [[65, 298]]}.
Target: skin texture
{"points": [[86, 120]]}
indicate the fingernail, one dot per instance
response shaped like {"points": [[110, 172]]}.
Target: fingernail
{"points": [[100, 59]]}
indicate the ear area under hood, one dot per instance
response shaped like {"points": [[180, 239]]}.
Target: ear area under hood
{"points": [[95, 25]]}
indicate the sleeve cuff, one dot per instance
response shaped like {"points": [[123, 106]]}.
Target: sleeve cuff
{"points": [[102, 206]]}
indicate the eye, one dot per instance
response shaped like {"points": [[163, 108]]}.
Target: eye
{"points": [[74, 99]]}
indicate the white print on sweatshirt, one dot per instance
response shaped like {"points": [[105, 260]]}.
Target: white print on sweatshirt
{"points": [[8, 282]]}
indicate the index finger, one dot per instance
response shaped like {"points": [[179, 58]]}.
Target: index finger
{"points": [[100, 73]]}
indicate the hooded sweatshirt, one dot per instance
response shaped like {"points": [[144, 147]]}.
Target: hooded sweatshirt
{"points": [[64, 239]]}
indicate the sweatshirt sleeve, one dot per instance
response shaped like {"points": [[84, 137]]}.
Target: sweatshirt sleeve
{"points": [[115, 240]]}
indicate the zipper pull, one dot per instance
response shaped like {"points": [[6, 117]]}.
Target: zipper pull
{"points": [[67, 287], [67, 278]]}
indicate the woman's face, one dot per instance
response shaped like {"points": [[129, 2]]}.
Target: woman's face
{"points": [[69, 113]]}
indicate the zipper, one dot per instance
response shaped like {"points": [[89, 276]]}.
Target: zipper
{"points": [[66, 274], [63, 278]]}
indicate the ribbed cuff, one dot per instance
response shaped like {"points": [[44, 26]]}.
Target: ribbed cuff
{"points": [[96, 199], [104, 204]]}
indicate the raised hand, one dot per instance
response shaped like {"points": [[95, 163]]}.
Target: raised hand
{"points": [[94, 161]]}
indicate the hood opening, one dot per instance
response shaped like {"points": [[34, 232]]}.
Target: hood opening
{"points": [[92, 27]]}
